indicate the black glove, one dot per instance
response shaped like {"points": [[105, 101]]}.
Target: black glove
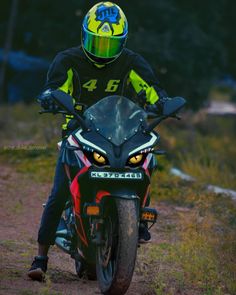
{"points": [[157, 107], [46, 101]]}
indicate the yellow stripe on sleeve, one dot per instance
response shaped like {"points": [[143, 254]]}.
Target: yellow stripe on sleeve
{"points": [[139, 84], [67, 87]]}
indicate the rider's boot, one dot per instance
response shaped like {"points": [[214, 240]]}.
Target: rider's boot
{"points": [[38, 268]]}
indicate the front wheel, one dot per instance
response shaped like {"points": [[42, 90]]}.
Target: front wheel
{"points": [[116, 257]]}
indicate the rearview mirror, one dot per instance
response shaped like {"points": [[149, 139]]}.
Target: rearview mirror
{"points": [[64, 100], [173, 105]]}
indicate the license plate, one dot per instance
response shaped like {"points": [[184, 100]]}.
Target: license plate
{"points": [[116, 175]]}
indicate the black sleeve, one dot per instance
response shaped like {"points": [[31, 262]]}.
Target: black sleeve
{"points": [[58, 74]]}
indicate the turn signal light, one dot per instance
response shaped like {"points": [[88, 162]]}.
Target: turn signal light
{"points": [[149, 215], [92, 210]]}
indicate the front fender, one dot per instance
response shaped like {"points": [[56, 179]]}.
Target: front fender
{"points": [[121, 195], [116, 194], [105, 198]]}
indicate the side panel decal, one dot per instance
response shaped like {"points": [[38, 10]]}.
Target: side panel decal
{"points": [[83, 140], [146, 145]]}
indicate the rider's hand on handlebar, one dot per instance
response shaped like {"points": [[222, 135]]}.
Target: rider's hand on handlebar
{"points": [[157, 108], [152, 108], [46, 101], [48, 104]]}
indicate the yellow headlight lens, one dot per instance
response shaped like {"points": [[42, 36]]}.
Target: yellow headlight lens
{"points": [[136, 159], [99, 158]]}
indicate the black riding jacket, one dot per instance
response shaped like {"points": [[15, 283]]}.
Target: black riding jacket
{"points": [[129, 75]]}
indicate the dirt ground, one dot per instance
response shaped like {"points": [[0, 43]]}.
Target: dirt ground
{"points": [[21, 209]]}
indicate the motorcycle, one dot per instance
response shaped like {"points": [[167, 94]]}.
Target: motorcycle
{"points": [[109, 160]]}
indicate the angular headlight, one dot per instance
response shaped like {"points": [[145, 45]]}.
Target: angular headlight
{"points": [[99, 158], [136, 159]]}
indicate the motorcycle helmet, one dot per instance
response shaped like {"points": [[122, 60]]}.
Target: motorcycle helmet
{"points": [[104, 32]]}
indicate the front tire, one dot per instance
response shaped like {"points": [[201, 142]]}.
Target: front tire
{"points": [[116, 258]]}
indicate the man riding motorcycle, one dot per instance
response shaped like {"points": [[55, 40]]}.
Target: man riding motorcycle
{"points": [[100, 67]]}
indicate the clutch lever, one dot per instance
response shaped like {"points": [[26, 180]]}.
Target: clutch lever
{"points": [[176, 117]]}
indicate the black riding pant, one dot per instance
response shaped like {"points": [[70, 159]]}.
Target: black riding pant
{"points": [[54, 206]]}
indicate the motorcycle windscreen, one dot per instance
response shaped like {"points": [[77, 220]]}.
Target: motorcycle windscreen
{"points": [[116, 118]]}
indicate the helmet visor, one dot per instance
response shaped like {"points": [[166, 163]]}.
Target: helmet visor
{"points": [[102, 46]]}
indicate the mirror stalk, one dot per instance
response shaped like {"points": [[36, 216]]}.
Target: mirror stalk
{"points": [[155, 123], [65, 101], [159, 152]]}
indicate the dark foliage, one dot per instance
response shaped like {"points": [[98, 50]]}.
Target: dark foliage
{"points": [[188, 43]]}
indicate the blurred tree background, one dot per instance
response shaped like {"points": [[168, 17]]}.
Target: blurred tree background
{"points": [[189, 43]]}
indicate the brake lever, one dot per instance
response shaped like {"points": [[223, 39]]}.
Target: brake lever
{"points": [[52, 112]]}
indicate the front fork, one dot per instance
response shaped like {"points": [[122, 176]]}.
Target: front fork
{"points": [[66, 237], [95, 230], [146, 215], [66, 233]]}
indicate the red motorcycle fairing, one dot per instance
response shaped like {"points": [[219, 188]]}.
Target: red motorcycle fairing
{"points": [[146, 164], [85, 189], [81, 230], [75, 192], [100, 195], [146, 196], [76, 195]]}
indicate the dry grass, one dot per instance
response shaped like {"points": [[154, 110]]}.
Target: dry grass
{"points": [[202, 257]]}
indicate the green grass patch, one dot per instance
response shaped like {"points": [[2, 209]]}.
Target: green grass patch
{"points": [[29, 140], [202, 260], [20, 123], [204, 149], [40, 165]]}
